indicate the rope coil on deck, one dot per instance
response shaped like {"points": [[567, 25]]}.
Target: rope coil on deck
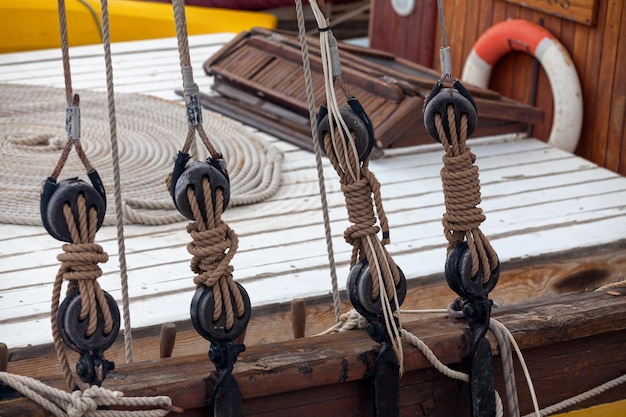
{"points": [[149, 132]]}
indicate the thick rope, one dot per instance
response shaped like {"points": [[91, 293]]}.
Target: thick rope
{"points": [[213, 247], [461, 189], [79, 266], [117, 188], [306, 65], [93, 402], [214, 243]]}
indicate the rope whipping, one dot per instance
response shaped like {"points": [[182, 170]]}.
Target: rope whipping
{"points": [[360, 187], [148, 132], [306, 65], [214, 243]]}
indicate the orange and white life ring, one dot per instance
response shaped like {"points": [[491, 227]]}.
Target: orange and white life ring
{"points": [[522, 35]]}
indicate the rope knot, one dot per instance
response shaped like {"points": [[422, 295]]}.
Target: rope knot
{"points": [[80, 261], [81, 405]]}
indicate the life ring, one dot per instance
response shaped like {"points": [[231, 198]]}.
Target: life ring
{"points": [[525, 36]]}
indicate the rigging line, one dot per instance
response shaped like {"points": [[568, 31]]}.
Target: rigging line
{"points": [[117, 189], [318, 158], [331, 96]]}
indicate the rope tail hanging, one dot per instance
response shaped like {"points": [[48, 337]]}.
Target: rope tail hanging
{"points": [[472, 266], [220, 307]]}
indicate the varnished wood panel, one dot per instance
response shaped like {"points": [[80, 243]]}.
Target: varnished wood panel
{"points": [[598, 52], [582, 11]]}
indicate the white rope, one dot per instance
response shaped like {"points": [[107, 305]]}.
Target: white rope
{"points": [[353, 320], [86, 403], [581, 397]]}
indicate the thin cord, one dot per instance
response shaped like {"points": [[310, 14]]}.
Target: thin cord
{"points": [[117, 189], [306, 65]]}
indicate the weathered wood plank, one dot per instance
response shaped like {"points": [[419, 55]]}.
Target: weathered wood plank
{"points": [[550, 328]]}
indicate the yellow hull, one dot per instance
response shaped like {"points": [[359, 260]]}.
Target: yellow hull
{"points": [[616, 409], [34, 24]]}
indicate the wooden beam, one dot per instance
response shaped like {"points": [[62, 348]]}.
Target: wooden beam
{"points": [[319, 363]]}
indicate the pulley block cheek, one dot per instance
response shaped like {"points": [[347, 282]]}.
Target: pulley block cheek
{"points": [[458, 274], [54, 196], [73, 331], [359, 288], [202, 307], [193, 176], [358, 123], [439, 100]]}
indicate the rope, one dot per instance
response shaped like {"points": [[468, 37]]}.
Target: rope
{"points": [[149, 132], [461, 189], [360, 187], [79, 266], [353, 320], [318, 158], [117, 188], [214, 243], [88, 403]]}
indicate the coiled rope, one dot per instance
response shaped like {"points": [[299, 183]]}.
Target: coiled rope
{"points": [[149, 132]]}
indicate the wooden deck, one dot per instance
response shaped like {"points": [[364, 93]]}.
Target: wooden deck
{"points": [[539, 201]]}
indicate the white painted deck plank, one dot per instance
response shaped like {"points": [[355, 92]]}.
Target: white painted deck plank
{"points": [[537, 199]]}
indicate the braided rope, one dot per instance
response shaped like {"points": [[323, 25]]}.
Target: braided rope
{"points": [[117, 188], [213, 247], [360, 187]]}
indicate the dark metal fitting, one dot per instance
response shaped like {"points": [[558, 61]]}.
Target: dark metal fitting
{"points": [[92, 369]]}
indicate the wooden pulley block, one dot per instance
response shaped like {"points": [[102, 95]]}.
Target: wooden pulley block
{"points": [[359, 287], [193, 176], [54, 196]]}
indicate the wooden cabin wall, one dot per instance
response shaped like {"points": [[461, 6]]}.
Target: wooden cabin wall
{"points": [[598, 51]]}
